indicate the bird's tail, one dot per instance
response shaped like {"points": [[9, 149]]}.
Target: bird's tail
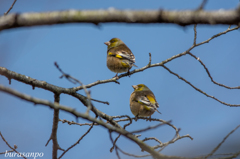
{"points": [[158, 111], [134, 65]]}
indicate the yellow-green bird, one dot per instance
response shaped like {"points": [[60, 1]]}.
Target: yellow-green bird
{"points": [[142, 101], [119, 57]]}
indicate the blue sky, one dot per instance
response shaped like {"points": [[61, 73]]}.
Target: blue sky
{"points": [[80, 51]]}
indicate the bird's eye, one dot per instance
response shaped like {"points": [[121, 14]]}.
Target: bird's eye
{"points": [[113, 40]]}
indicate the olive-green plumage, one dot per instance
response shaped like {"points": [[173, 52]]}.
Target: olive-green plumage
{"points": [[119, 57], [142, 101]]}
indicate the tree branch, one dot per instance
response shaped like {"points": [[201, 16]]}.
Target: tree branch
{"points": [[149, 65], [151, 127], [216, 148], [13, 149], [53, 136], [222, 85], [199, 90], [57, 106], [52, 88], [77, 141], [75, 81], [187, 17], [10, 7]]}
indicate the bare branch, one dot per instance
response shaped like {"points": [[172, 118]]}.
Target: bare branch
{"points": [[222, 85], [53, 136], [217, 35], [124, 127], [195, 34], [116, 149], [74, 80], [74, 123], [151, 127], [216, 148], [202, 5], [150, 59], [52, 88], [129, 154], [199, 90], [77, 141], [188, 17], [1, 153], [163, 145], [152, 119], [176, 138], [71, 91], [156, 64], [10, 7], [152, 138], [57, 106], [13, 149]]}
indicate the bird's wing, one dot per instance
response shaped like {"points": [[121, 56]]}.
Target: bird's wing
{"points": [[125, 55], [152, 100], [148, 100]]}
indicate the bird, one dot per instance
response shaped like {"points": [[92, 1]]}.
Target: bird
{"points": [[119, 57], [143, 102]]}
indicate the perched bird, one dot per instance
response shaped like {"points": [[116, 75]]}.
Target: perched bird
{"points": [[119, 57], [142, 101]]}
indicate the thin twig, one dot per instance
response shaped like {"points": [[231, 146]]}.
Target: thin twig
{"points": [[152, 138], [75, 123], [124, 127], [15, 146], [100, 101], [129, 154], [10, 7], [171, 141], [176, 138], [199, 90], [74, 80], [222, 85], [150, 119], [1, 153], [217, 35], [216, 148], [150, 127], [116, 149], [202, 5], [195, 34], [150, 59], [235, 155], [77, 141]]}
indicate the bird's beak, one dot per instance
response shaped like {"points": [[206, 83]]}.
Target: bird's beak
{"points": [[134, 87], [107, 43]]}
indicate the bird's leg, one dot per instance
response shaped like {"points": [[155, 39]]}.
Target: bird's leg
{"points": [[128, 72], [136, 117], [116, 76], [149, 118]]}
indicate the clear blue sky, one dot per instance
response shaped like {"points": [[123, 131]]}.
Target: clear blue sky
{"points": [[80, 51]]}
